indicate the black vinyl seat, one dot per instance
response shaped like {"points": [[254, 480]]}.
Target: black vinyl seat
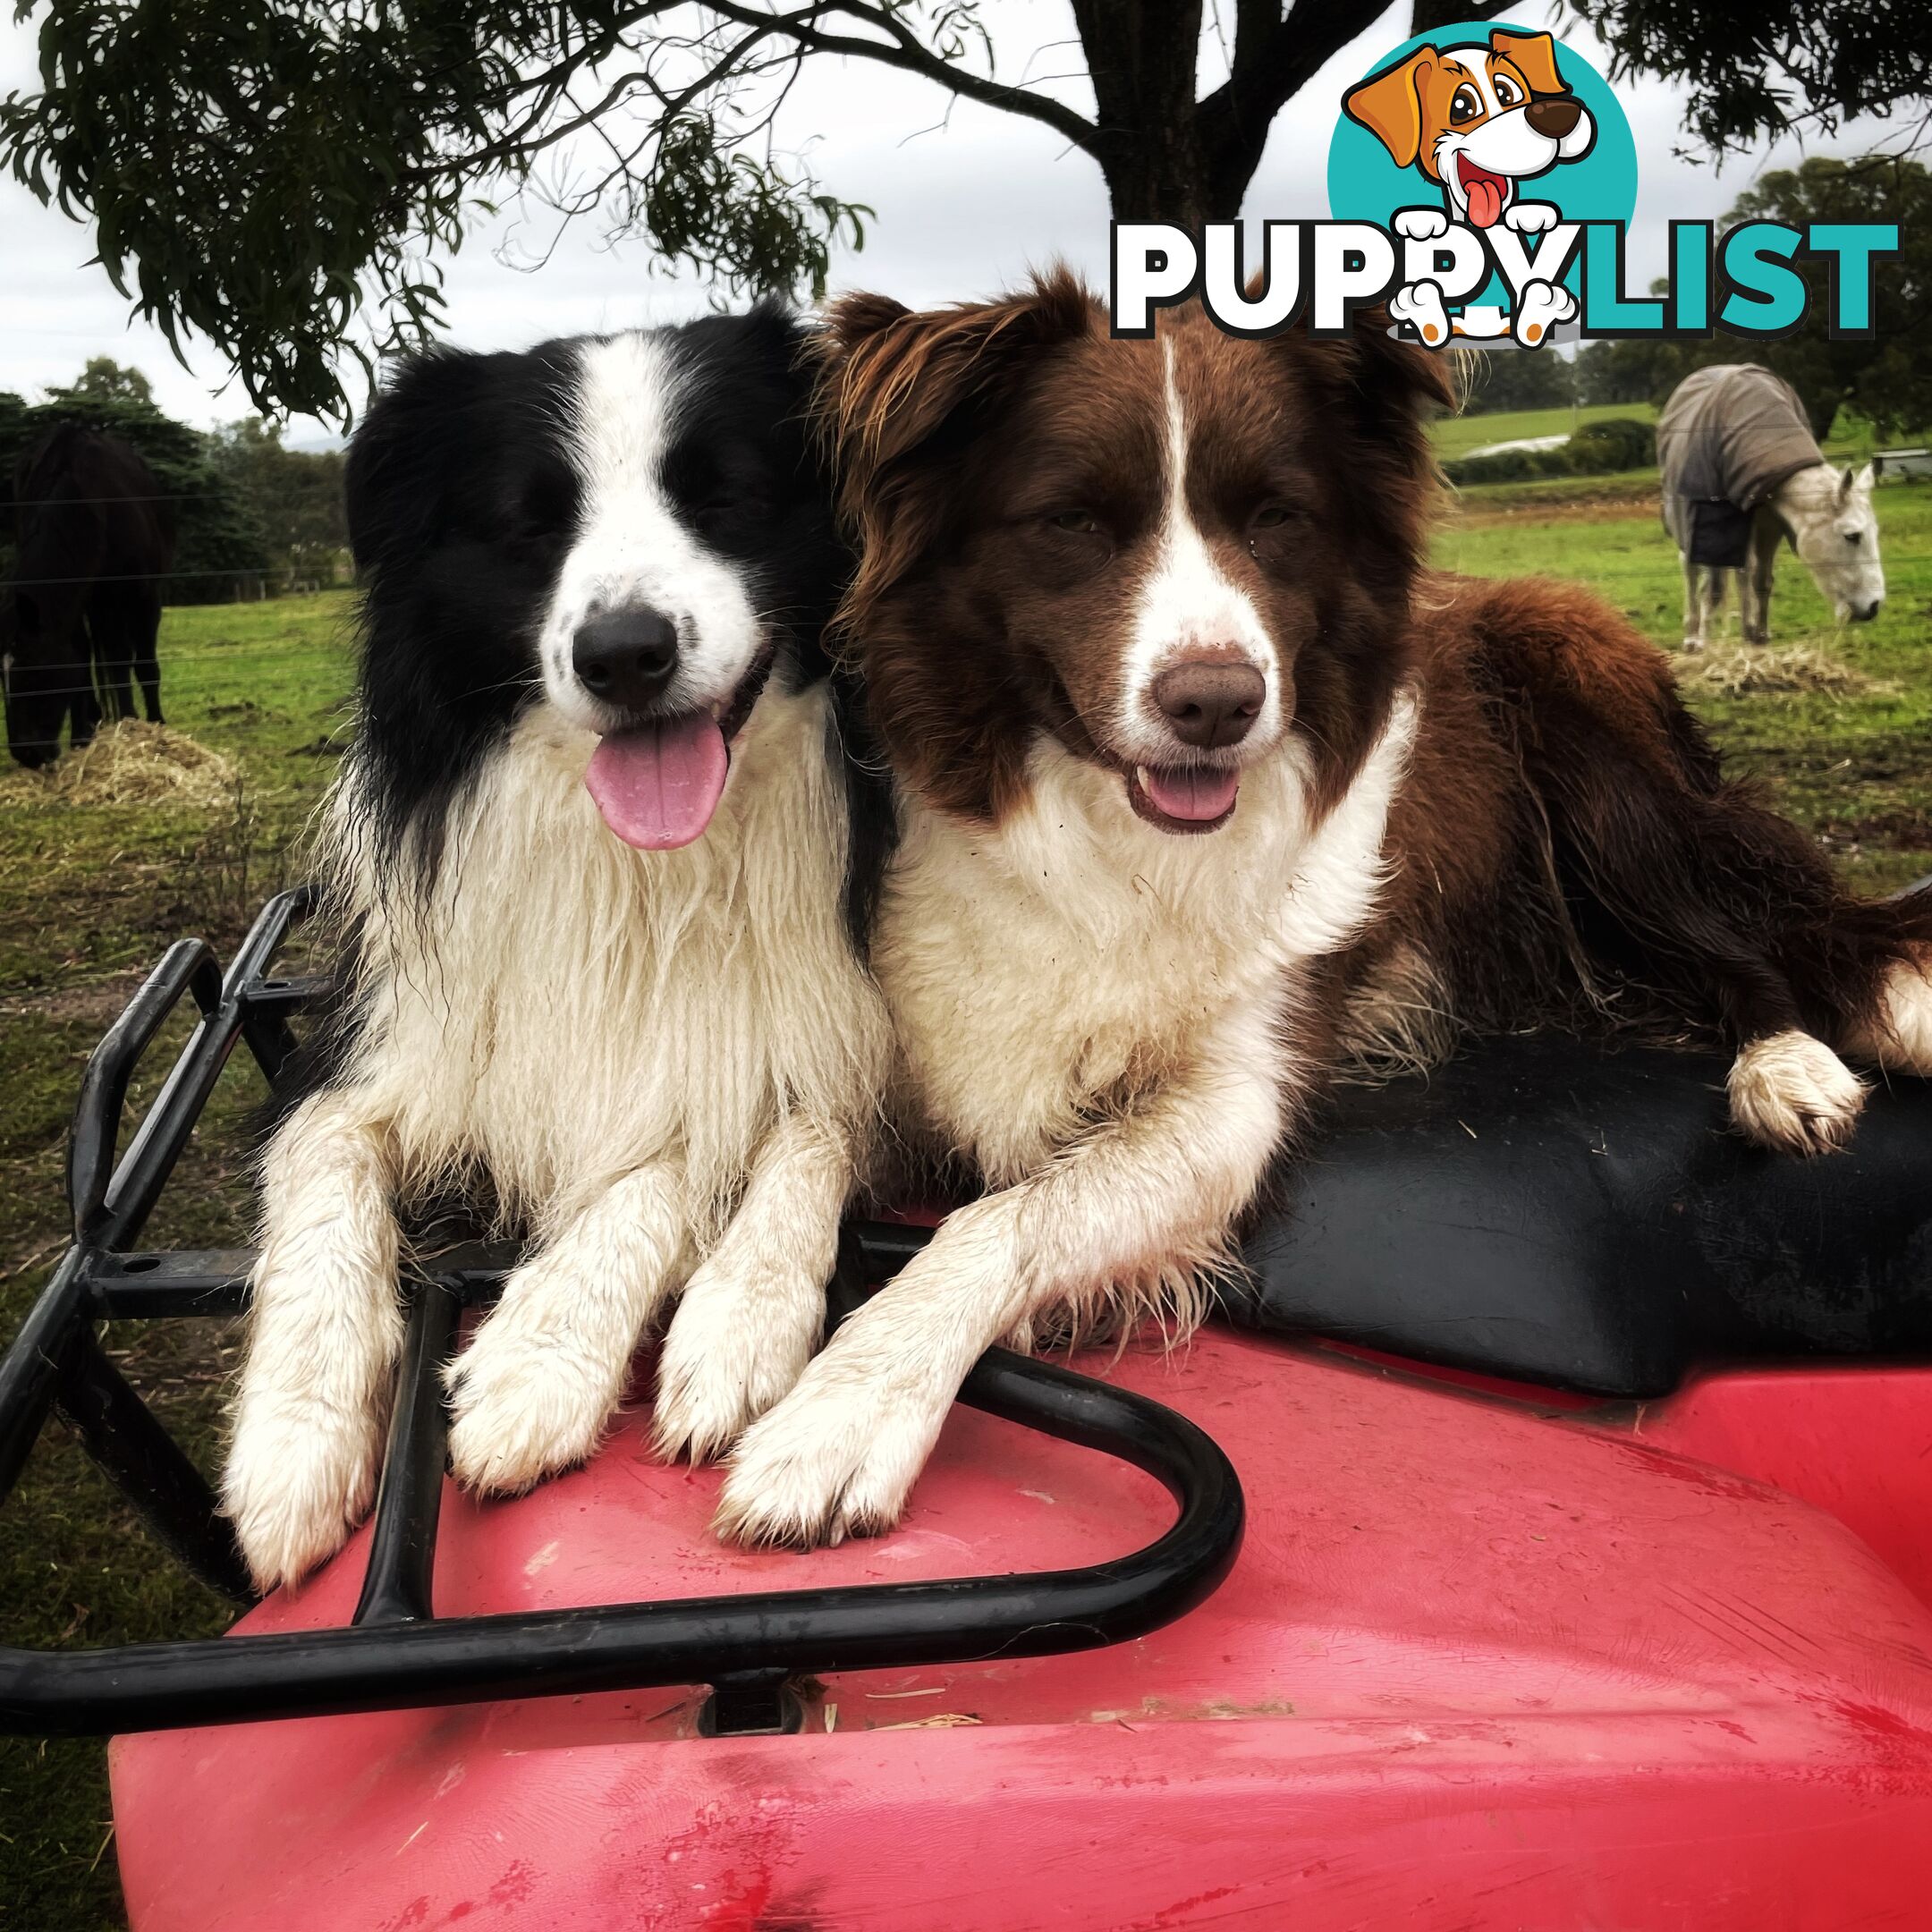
{"points": [[1547, 1210]]}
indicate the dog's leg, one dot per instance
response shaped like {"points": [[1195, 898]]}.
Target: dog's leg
{"points": [[1142, 1204], [1690, 883], [323, 1338], [1898, 1036], [532, 1393], [752, 1312]]}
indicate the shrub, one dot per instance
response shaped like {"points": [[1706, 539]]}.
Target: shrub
{"points": [[1598, 449]]}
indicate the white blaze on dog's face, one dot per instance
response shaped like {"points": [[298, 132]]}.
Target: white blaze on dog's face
{"points": [[651, 640], [1200, 688], [1176, 558], [1477, 118]]}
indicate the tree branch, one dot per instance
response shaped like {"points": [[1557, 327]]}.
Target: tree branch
{"points": [[910, 56], [1276, 54]]}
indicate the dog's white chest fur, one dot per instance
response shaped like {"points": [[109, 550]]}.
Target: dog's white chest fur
{"points": [[1044, 975], [566, 1009]]}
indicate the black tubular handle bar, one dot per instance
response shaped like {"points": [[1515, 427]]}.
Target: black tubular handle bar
{"points": [[396, 1654]]}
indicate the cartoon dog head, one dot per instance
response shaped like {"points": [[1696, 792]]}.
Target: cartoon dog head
{"points": [[1476, 119]]}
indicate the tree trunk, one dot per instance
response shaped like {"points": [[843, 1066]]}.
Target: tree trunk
{"points": [[1140, 55]]}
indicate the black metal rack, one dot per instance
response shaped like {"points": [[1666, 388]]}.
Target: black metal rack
{"points": [[396, 1653]]}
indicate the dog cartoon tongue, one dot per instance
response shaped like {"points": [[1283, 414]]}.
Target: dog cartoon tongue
{"points": [[1190, 795], [658, 786], [1486, 192]]}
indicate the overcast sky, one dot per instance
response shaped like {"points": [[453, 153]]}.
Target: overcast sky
{"points": [[962, 210]]}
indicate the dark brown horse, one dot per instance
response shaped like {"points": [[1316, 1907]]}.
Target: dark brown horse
{"points": [[78, 622]]}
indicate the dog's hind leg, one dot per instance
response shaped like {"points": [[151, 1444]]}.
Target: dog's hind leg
{"points": [[752, 1313], [324, 1333], [535, 1389], [1685, 880]]}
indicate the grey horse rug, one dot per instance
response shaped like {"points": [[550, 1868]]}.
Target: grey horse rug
{"points": [[1727, 437]]}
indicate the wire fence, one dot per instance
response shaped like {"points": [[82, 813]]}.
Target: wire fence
{"points": [[232, 656], [244, 493], [207, 573]]}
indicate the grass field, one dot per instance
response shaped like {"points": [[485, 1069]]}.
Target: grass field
{"points": [[89, 896]]}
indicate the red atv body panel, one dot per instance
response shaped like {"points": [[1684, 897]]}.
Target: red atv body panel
{"points": [[1482, 1662]]}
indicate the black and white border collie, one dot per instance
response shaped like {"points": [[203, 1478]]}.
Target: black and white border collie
{"points": [[593, 857], [1205, 784]]}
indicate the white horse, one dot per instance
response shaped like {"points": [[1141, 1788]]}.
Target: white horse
{"points": [[1741, 474]]}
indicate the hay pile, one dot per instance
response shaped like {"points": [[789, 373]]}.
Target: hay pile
{"points": [[1736, 670], [129, 763]]}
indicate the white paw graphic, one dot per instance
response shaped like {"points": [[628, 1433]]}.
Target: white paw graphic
{"points": [[738, 1342], [301, 1476], [1420, 223], [1542, 305], [1532, 217], [1420, 304]]}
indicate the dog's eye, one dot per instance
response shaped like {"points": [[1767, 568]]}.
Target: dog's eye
{"points": [[724, 515], [1272, 516], [1507, 92], [1076, 522], [546, 509], [1466, 105]]}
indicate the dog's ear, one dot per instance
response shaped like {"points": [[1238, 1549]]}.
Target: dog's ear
{"points": [[895, 385], [1399, 374], [1377, 392], [1389, 105], [394, 483], [1534, 54], [892, 378]]}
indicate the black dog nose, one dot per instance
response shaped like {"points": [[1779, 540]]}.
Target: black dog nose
{"points": [[1210, 704], [626, 656], [1554, 116]]}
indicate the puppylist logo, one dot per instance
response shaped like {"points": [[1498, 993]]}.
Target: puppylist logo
{"points": [[1481, 183]]}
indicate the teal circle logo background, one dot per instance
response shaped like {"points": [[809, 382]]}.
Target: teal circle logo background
{"points": [[1365, 184]]}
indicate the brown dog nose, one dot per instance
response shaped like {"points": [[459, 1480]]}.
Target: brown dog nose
{"points": [[1555, 115], [1210, 704]]}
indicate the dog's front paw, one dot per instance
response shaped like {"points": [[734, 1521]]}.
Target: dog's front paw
{"points": [[1419, 224], [527, 1399], [836, 1457], [739, 1340], [1532, 217], [1542, 305], [1790, 1092], [301, 1476]]}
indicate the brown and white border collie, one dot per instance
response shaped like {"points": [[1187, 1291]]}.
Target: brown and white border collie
{"points": [[1205, 787]]}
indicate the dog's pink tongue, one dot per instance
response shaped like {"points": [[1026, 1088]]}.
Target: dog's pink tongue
{"points": [[1189, 793], [658, 786], [1484, 202]]}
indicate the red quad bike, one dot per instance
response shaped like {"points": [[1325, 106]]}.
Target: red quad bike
{"points": [[1583, 1578]]}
